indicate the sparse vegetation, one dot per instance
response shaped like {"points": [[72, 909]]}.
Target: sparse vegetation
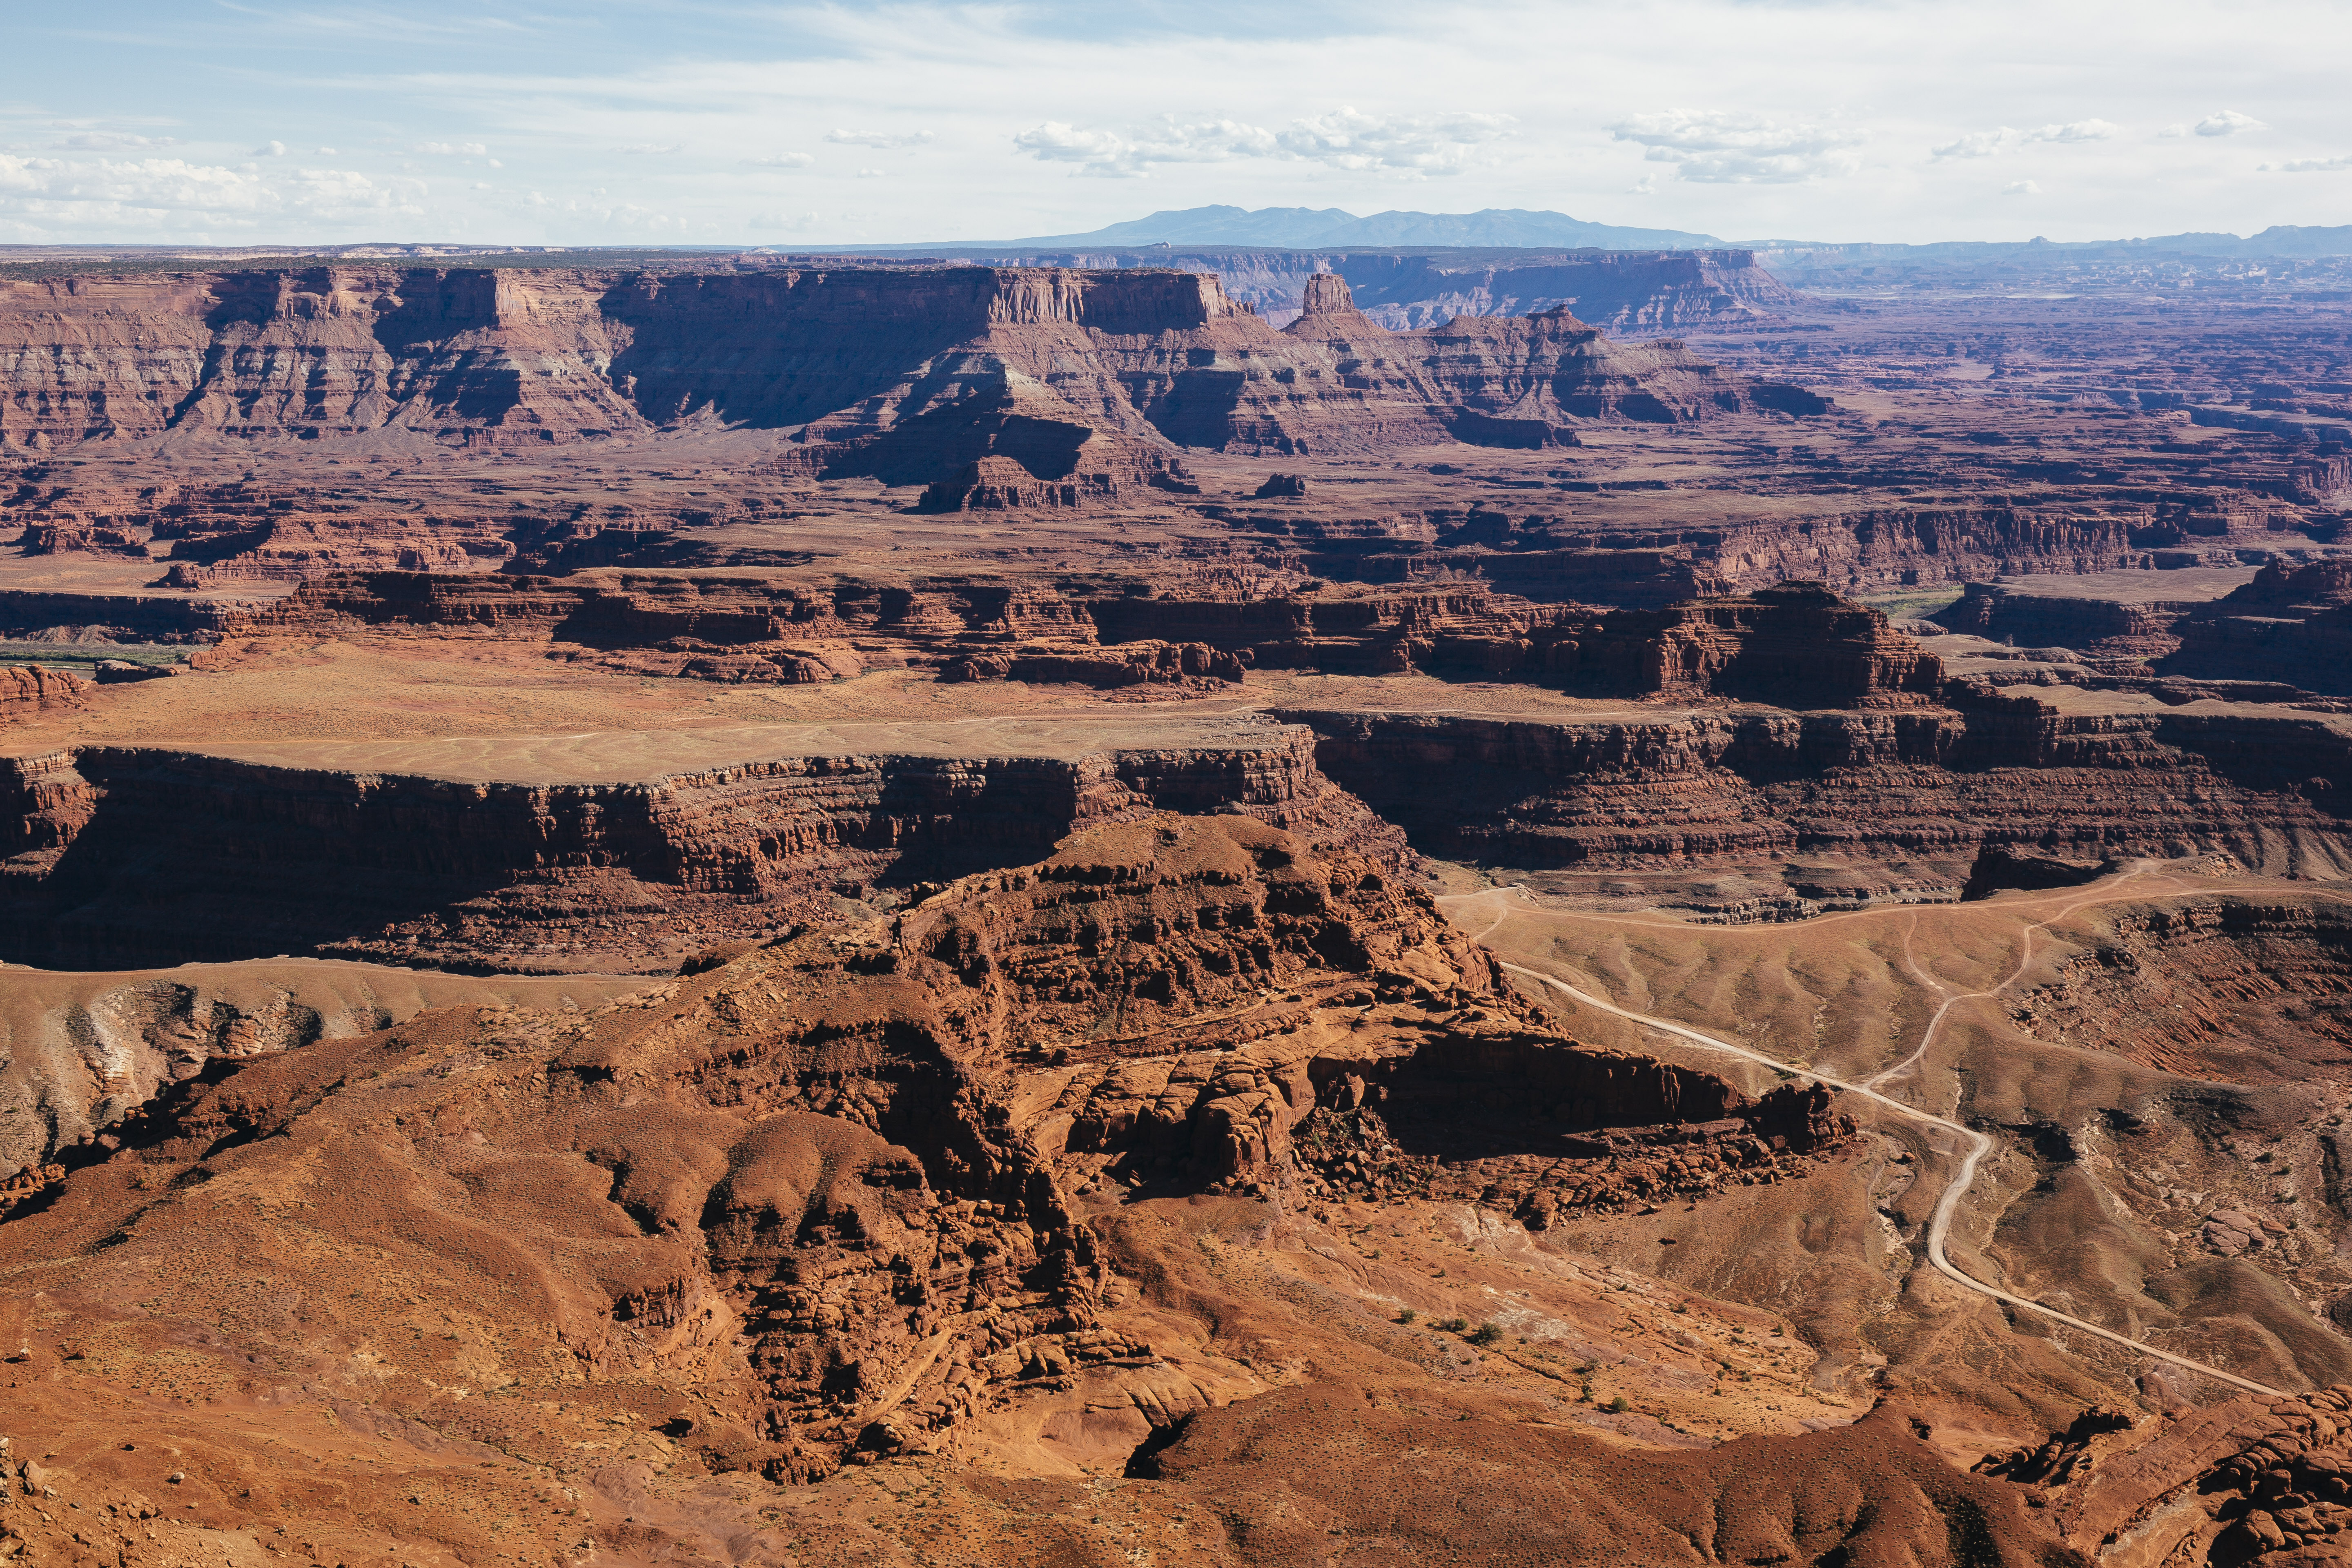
{"points": [[1408, 1316], [1485, 1334], [1450, 1325]]}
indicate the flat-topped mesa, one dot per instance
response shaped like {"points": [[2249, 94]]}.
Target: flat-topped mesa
{"points": [[495, 357], [1796, 645], [1141, 302], [2313, 586], [607, 857]]}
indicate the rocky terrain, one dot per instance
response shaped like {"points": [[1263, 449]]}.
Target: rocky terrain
{"points": [[1641, 293], [1327, 908]]}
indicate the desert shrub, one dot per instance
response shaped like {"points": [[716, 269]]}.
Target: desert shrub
{"points": [[1485, 1334]]}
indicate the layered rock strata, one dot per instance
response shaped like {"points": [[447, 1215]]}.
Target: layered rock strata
{"points": [[122, 854], [1936, 785], [832, 1185], [1623, 291], [1791, 642], [869, 367]]}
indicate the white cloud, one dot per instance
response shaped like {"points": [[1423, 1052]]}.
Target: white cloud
{"points": [[1345, 139], [883, 140], [653, 149], [2073, 131], [2308, 166], [1980, 144], [270, 149], [2228, 122], [744, 78], [451, 149], [782, 160], [1984, 143], [58, 198], [112, 141], [1741, 149], [798, 222], [869, 173], [2020, 188], [325, 151]]}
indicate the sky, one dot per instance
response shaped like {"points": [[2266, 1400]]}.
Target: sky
{"points": [[725, 122]]}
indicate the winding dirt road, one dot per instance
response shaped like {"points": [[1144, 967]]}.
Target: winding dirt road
{"points": [[1973, 1145]]}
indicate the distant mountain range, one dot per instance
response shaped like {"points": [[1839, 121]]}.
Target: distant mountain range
{"points": [[1329, 228], [1517, 228]]}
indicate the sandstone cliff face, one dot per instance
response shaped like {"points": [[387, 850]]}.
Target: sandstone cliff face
{"points": [[1620, 292], [2290, 627], [1794, 643], [847, 357], [1934, 785], [28, 690], [133, 855]]}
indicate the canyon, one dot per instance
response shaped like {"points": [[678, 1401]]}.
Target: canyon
{"points": [[1194, 904]]}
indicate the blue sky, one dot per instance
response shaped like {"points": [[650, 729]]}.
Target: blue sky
{"points": [[795, 125]]}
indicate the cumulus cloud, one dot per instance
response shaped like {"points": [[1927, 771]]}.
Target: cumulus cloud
{"points": [[2308, 166], [112, 141], [1984, 143], [1741, 149], [1345, 139], [2228, 122], [1980, 144], [2020, 188], [270, 149], [451, 149], [782, 160], [66, 197], [883, 140]]}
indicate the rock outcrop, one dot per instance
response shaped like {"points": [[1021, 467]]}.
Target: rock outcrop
{"points": [[120, 855], [29, 690], [1932, 787], [831, 1184], [1621, 291], [1795, 643], [2248, 1480], [873, 367], [86, 1050]]}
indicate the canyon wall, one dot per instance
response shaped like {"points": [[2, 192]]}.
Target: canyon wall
{"points": [[133, 855], [1932, 785], [1795, 642], [509, 356], [1638, 291]]}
